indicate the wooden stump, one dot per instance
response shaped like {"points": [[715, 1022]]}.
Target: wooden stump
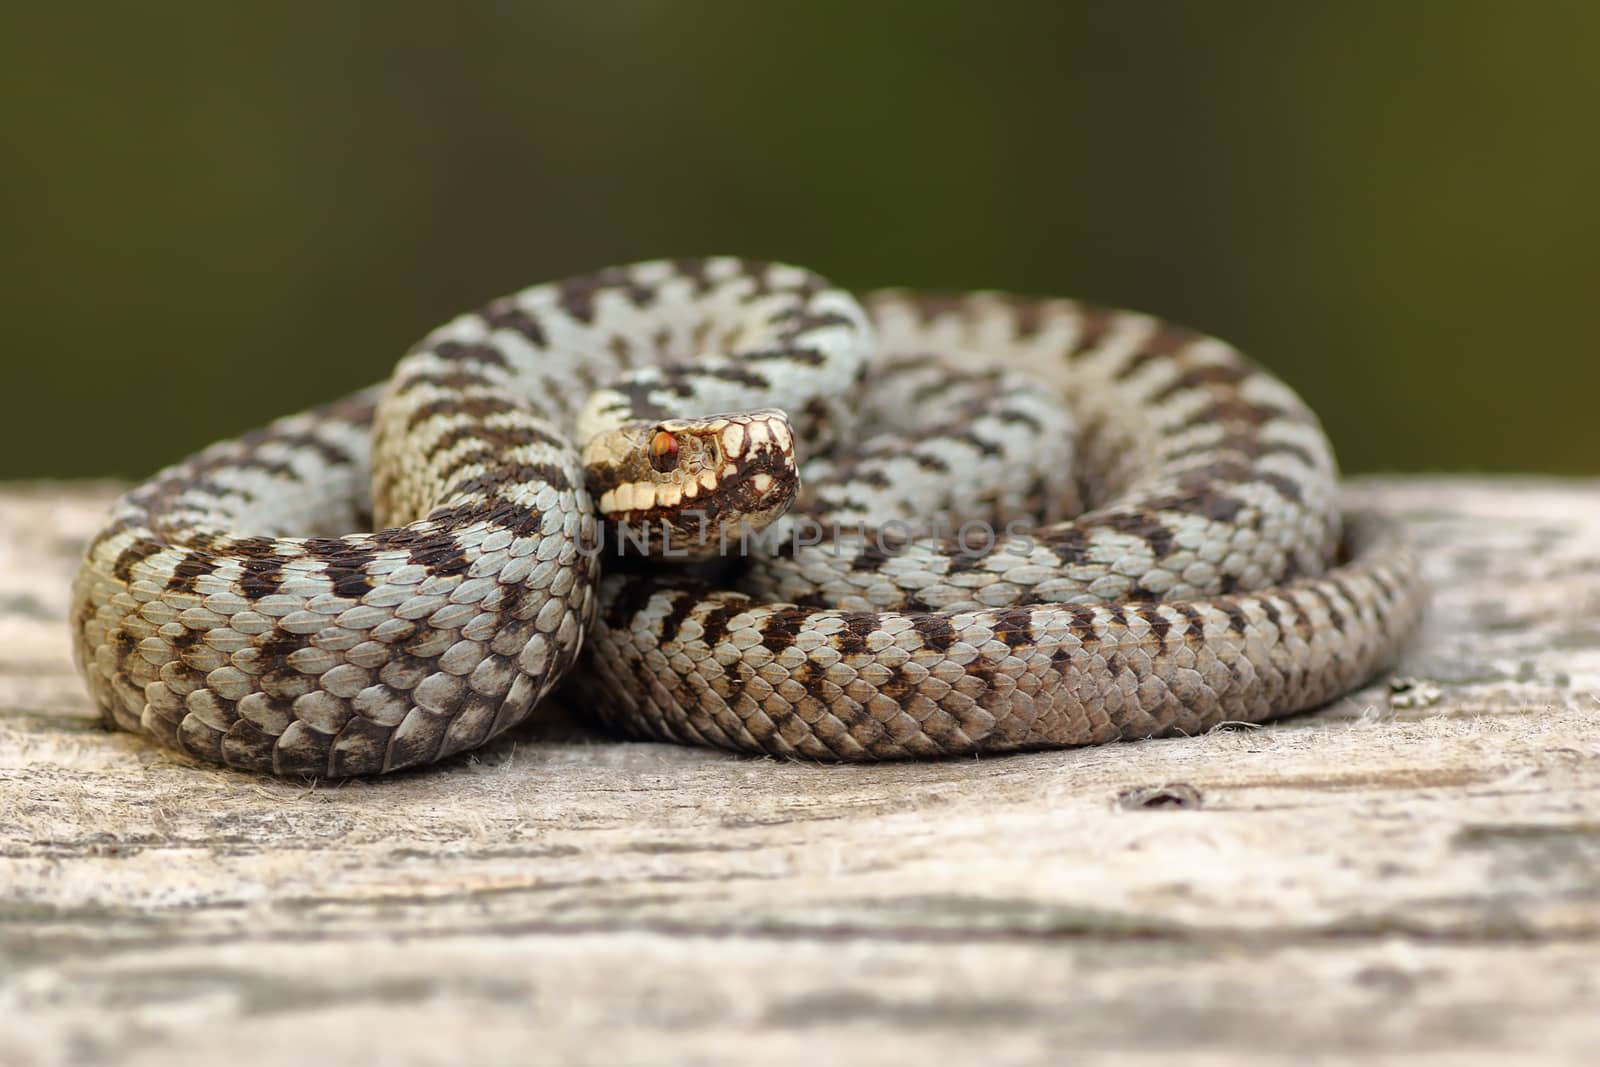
{"points": [[1403, 876]]}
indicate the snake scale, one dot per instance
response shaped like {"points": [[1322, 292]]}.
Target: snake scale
{"points": [[1186, 562]]}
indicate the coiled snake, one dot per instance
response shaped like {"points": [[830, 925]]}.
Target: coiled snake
{"points": [[226, 610]]}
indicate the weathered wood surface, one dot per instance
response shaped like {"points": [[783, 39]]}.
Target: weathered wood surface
{"points": [[1415, 884]]}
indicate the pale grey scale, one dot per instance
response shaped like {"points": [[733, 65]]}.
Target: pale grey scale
{"points": [[1025, 567], [757, 322], [1203, 474], [1279, 511], [983, 445], [225, 611], [912, 685], [1140, 405], [939, 447]]}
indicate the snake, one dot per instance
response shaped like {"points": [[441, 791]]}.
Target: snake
{"points": [[545, 490]]}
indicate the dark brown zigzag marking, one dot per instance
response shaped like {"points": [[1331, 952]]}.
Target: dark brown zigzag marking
{"points": [[1167, 343], [933, 389], [1067, 542], [327, 451], [1335, 616], [930, 307], [871, 477], [476, 407], [131, 556], [929, 462], [1377, 576], [898, 685], [1222, 469], [963, 558], [343, 563], [1250, 446], [1142, 524], [470, 352], [983, 668], [830, 503], [808, 357], [677, 612], [980, 445], [514, 518], [904, 364], [263, 567], [1296, 623], [356, 410], [1199, 496], [804, 319], [190, 569], [1286, 487], [633, 598], [274, 648], [620, 347], [1096, 324], [577, 296], [263, 574], [1341, 587], [213, 488], [522, 521], [1234, 412], [1191, 615], [457, 379], [636, 395], [1222, 379], [1114, 664], [106, 534], [760, 271], [275, 468], [504, 438], [505, 315], [1020, 418], [1027, 318], [1014, 626], [858, 626], [714, 627], [875, 552], [697, 271], [1301, 622], [483, 454], [781, 629], [936, 631], [434, 548], [736, 374]]}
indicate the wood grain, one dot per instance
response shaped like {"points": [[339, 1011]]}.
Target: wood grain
{"points": [[1388, 883]]}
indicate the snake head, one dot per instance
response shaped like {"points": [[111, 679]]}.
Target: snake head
{"points": [[692, 488]]}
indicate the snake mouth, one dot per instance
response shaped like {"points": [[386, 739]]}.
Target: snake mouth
{"points": [[694, 486]]}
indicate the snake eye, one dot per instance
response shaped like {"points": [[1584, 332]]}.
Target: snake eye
{"points": [[663, 451]]}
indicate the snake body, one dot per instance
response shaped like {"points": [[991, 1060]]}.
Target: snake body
{"points": [[225, 609]]}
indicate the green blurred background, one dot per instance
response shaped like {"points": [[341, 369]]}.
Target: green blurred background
{"points": [[1395, 205]]}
